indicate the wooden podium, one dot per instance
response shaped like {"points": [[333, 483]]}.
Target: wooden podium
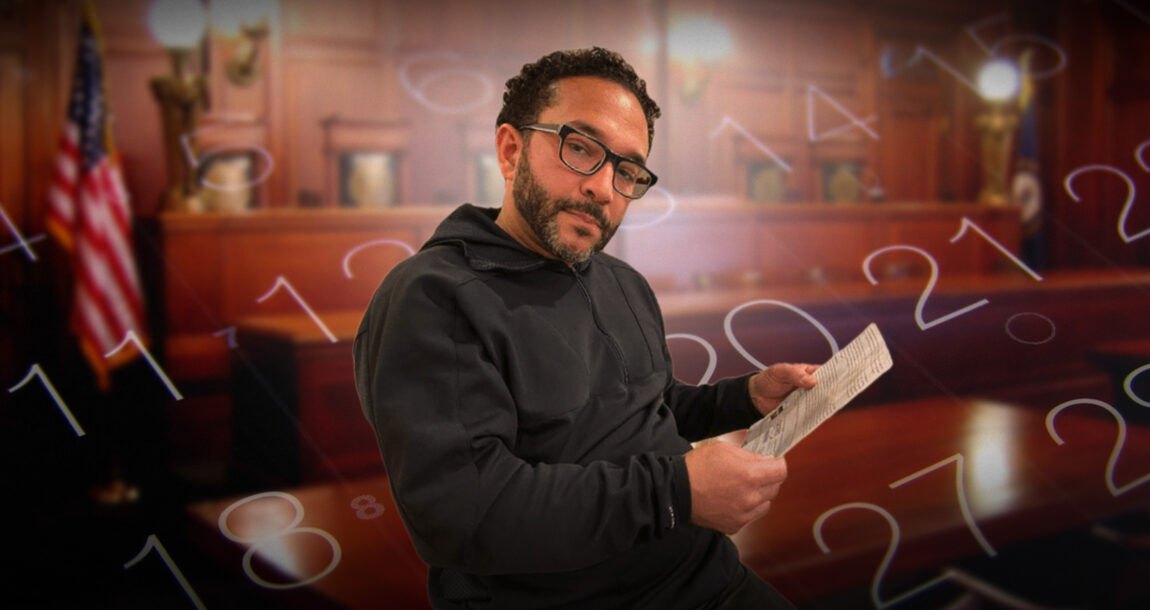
{"points": [[296, 416]]}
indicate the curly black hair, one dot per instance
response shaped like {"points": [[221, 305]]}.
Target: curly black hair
{"points": [[531, 91]]}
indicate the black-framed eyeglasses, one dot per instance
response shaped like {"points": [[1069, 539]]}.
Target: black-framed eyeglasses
{"points": [[585, 155]]}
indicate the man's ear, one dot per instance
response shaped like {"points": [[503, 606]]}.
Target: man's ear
{"points": [[508, 147]]}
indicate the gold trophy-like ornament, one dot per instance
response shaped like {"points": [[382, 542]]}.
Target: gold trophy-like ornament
{"points": [[179, 26], [996, 133], [182, 96], [998, 83]]}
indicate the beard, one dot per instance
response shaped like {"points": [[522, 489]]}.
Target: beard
{"points": [[542, 215]]}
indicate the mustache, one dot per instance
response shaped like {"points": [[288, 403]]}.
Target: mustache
{"points": [[585, 207]]}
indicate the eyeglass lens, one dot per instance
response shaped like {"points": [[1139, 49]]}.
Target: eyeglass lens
{"points": [[586, 155]]}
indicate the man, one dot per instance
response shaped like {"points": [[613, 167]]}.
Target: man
{"points": [[520, 386]]}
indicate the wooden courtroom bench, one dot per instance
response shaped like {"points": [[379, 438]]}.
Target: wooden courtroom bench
{"points": [[297, 418], [1127, 362], [218, 270], [341, 544], [221, 268], [1027, 343]]}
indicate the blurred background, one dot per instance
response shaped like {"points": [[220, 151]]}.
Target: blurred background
{"points": [[200, 196]]}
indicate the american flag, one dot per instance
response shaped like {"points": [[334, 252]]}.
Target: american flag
{"points": [[88, 213]]}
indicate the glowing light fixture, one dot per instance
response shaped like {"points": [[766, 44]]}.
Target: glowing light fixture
{"points": [[696, 44], [703, 39], [177, 24], [999, 80]]}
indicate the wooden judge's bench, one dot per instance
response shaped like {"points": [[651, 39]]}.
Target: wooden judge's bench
{"points": [[262, 307]]}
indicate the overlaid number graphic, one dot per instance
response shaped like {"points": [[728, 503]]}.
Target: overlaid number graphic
{"points": [[268, 535], [21, 242], [1068, 183], [1138, 155], [892, 546], [1137, 13], [733, 124], [862, 124], [960, 490], [366, 507], [36, 371], [918, 307], [418, 90], [806, 316], [229, 335], [921, 51], [1128, 385], [713, 358], [286, 285], [378, 242], [995, 50], [1028, 314], [1115, 451], [195, 161], [130, 337], [967, 223], [154, 544], [658, 219]]}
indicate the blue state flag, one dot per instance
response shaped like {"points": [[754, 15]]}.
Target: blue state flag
{"points": [[1026, 187]]}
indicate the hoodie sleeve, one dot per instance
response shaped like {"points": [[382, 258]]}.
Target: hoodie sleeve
{"points": [[446, 426], [709, 410], [705, 410]]}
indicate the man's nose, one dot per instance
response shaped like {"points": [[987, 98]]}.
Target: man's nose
{"points": [[599, 187]]}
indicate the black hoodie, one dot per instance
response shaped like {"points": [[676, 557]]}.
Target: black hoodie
{"points": [[532, 431]]}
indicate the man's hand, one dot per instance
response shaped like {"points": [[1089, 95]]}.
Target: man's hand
{"points": [[731, 486], [771, 385]]}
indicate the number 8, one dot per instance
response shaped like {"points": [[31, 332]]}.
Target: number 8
{"points": [[258, 542]]}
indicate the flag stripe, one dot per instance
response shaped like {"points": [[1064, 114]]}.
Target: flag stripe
{"points": [[61, 194], [107, 272], [94, 325]]}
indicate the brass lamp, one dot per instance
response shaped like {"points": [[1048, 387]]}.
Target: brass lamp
{"points": [[242, 69], [249, 21], [998, 84], [179, 25]]}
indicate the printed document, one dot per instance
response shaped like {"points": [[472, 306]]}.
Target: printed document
{"points": [[843, 377]]}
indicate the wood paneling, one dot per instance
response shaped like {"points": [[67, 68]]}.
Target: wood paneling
{"points": [[349, 23], [346, 60], [218, 267], [787, 244], [354, 87], [1102, 101], [13, 156]]}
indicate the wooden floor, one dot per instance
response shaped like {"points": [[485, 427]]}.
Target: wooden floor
{"points": [[875, 512]]}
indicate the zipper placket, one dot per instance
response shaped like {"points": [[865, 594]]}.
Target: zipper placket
{"points": [[615, 348]]}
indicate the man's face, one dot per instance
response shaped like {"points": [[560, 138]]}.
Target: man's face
{"points": [[542, 214], [573, 216]]}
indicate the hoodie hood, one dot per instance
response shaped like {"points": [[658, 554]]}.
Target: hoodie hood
{"points": [[485, 245]]}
